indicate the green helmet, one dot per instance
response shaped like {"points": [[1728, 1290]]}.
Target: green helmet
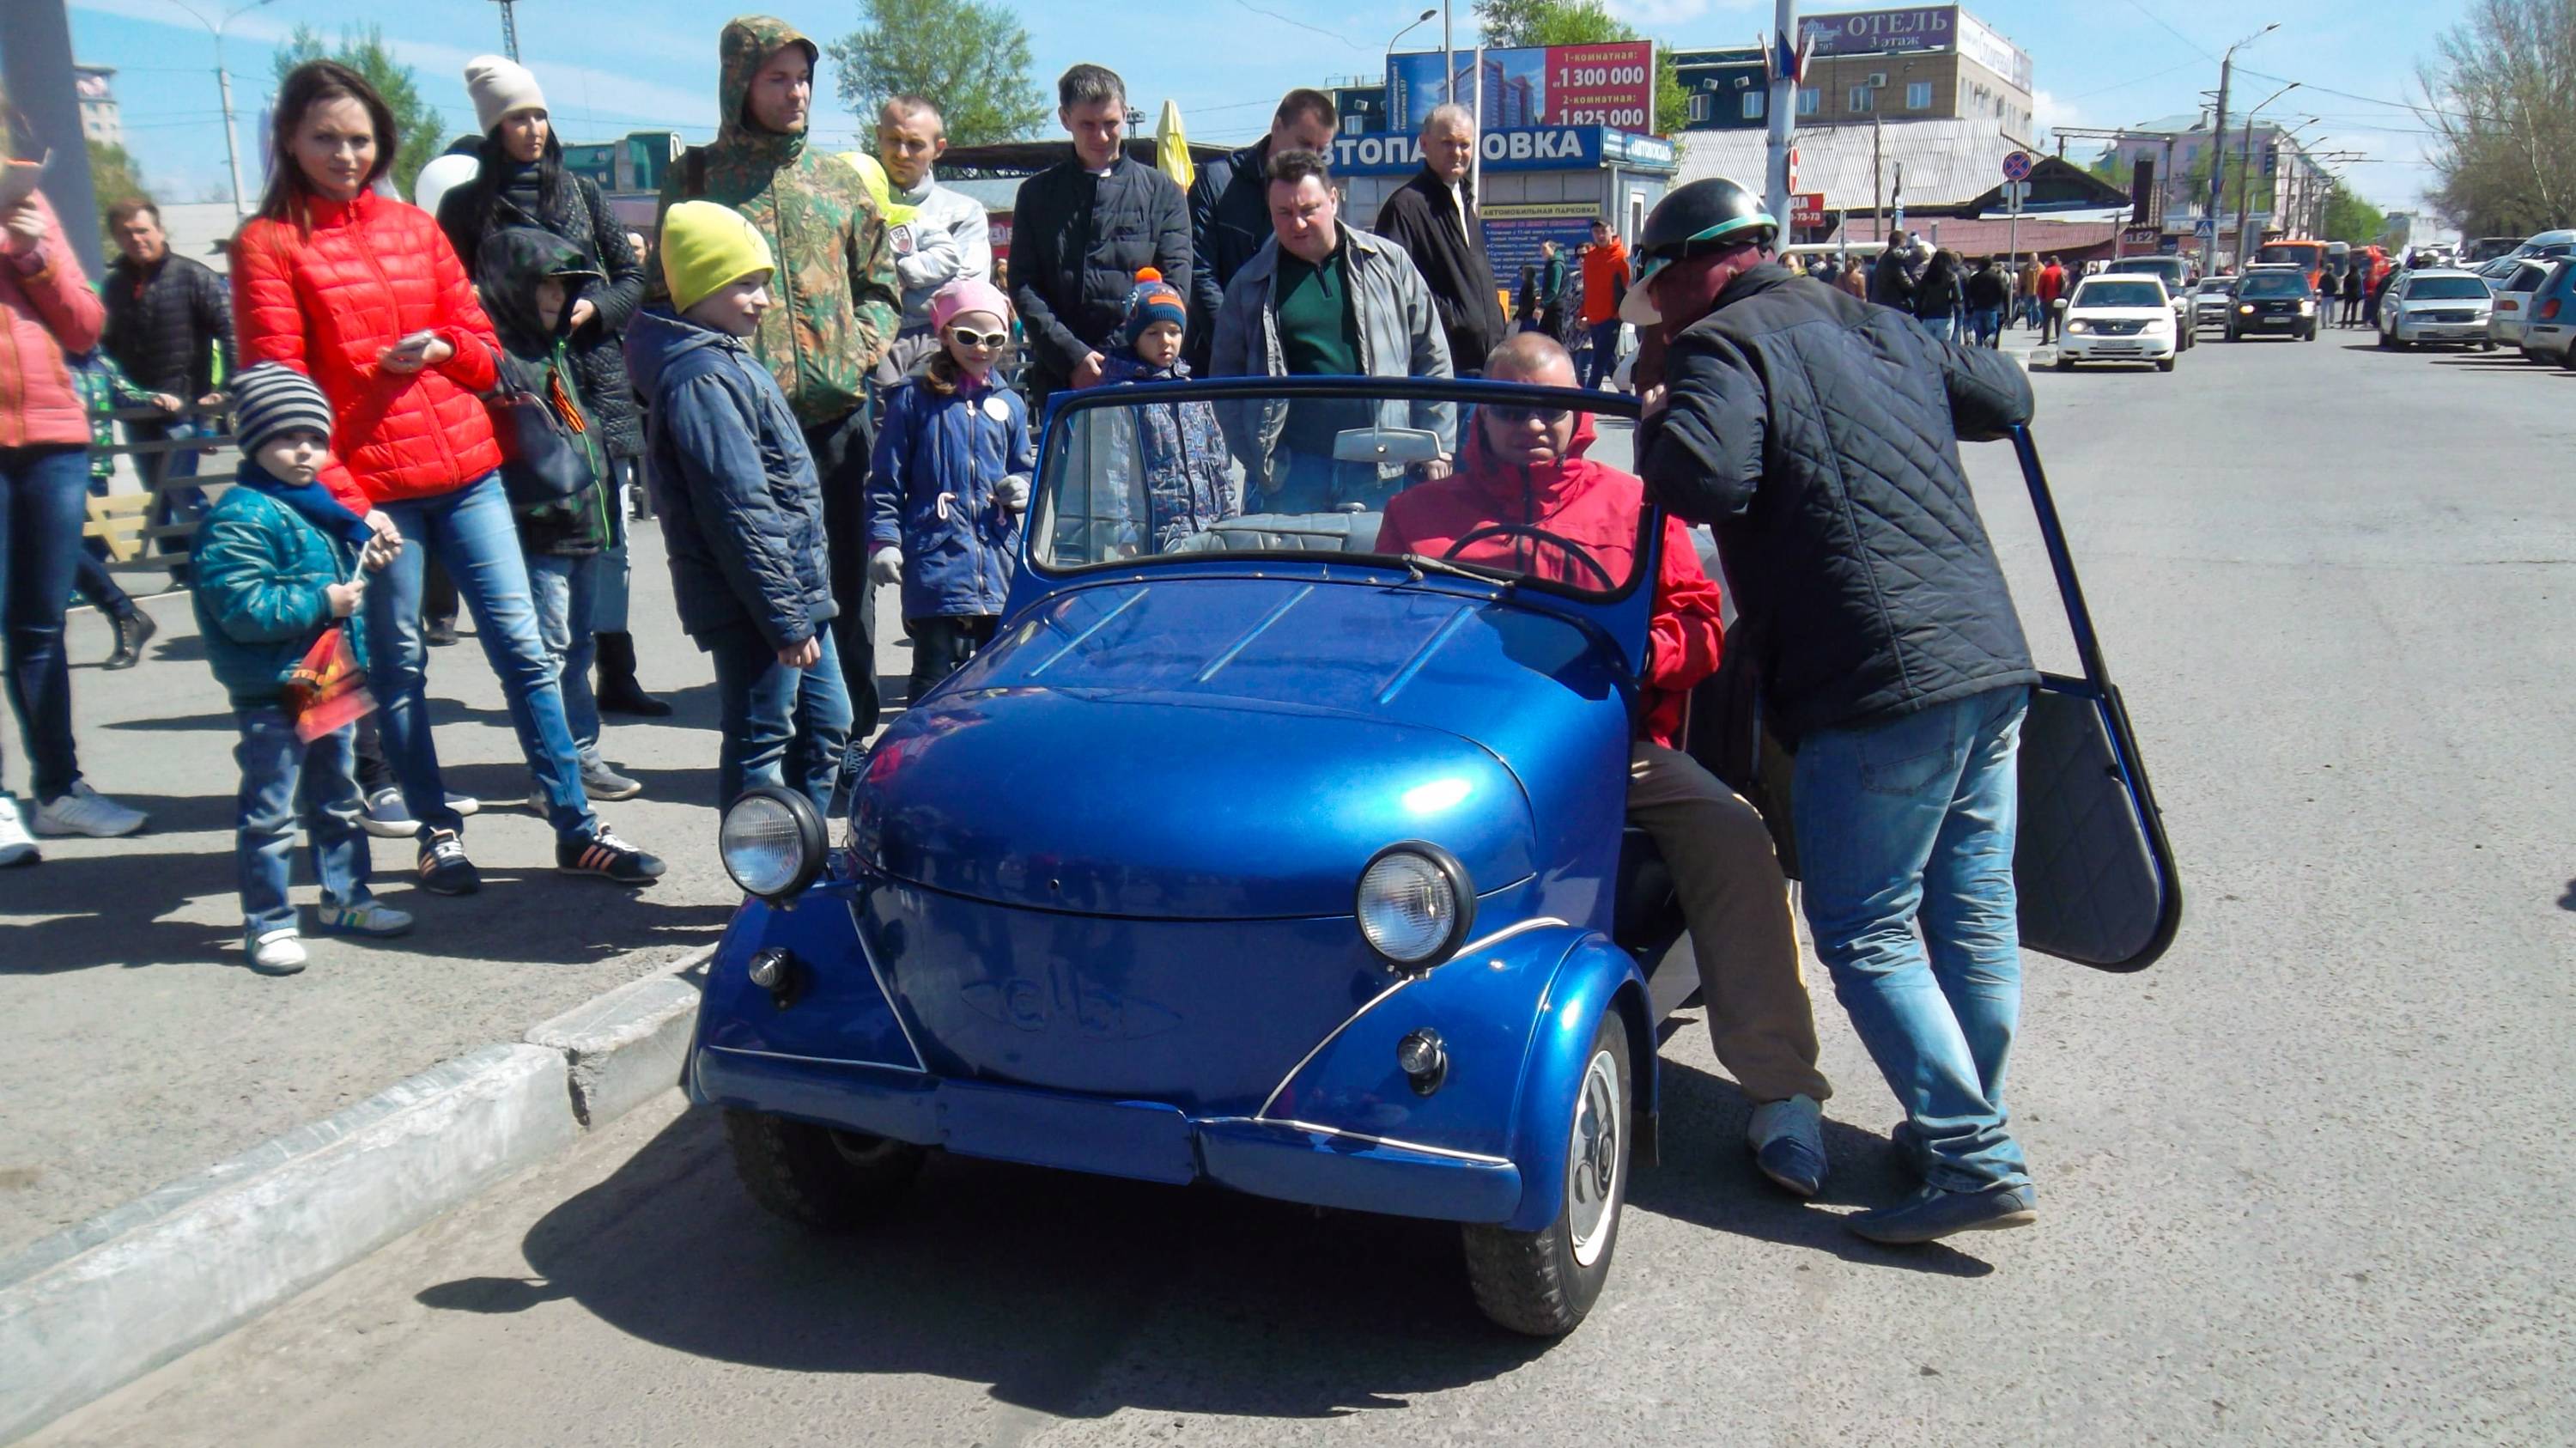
{"points": [[1704, 216]]}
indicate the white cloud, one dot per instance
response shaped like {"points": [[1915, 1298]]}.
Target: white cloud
{"points": [[2047, 112]]}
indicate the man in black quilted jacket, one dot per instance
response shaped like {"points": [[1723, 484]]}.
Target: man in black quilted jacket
{"points": [[167, 319], [1819, 436]]}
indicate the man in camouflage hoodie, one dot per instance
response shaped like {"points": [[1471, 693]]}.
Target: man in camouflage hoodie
{"points": [[838, 304]]}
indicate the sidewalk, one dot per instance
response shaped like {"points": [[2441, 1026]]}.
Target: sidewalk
{"points": [[144, 1049]]}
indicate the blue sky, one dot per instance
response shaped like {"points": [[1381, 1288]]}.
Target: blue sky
{"points": [[609, 66]]}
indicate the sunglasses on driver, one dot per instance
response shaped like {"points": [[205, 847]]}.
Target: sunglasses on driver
{"points": [[1516, 416]]}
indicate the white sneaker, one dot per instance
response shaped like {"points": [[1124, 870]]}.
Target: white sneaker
{"points": [[15, 847], [82, 810], [388, 818], [278, 952]]}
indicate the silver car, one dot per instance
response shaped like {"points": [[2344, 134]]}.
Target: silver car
{"points": [[2210, 301], [2516, 297], [2436, 306]]}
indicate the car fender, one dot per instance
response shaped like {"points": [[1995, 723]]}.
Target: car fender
{"points": [[1594, 978], [1506, 1008]]}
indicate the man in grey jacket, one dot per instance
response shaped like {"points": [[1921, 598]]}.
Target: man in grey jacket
{"points": [[1321, 299], [938, 235]]}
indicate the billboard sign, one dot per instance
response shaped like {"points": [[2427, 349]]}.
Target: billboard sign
{"points": [[1807, 208], [1558, 85], [1513, 233], [1877, 32], [1541, 148], [1978, 42]]}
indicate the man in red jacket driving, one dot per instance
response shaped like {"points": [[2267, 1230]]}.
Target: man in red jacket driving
{"points": [[1527, 466]]}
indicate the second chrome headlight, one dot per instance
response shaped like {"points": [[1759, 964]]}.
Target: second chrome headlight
{"points": [[1415, 904]]}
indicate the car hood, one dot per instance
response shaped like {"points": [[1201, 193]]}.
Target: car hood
{"points": [[2117, 314], [1199, 749]]}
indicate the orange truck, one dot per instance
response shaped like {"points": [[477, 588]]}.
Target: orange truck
{"points": [[2308, 256]]}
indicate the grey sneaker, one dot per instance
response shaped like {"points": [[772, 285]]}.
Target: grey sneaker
{"points": [[601, 782], [1788, 1141], [82, 810], [1931, 1214], [387, 817], [371, 917]]}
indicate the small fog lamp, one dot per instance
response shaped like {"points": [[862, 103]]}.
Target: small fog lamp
{"points": [[1423, 1059]]}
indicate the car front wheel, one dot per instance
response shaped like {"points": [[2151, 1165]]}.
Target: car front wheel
{"points": [[1543, 1282], [2065, 364], [816, 1176]]}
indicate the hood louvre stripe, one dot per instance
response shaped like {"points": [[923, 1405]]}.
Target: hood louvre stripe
{"points": [[1256, 631], [1097, 625], [1422, 656]]}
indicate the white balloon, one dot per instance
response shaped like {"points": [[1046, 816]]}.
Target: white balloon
{"points": [[442, 175]]}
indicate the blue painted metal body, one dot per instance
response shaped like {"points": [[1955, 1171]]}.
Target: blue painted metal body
{"points": [[1096, 908]]}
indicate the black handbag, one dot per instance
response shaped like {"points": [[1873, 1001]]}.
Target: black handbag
{"points": [[543, 457]]}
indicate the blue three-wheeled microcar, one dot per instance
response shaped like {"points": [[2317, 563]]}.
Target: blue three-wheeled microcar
{"points": [[1244, 854]]}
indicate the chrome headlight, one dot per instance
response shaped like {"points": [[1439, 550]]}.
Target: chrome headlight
{"points": [[2307, 309], [771, 842], [2079, 326], [1415, 904]]}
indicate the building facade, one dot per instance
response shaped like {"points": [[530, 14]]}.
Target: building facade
{"points": [[1914, 63], [2270, 184]]}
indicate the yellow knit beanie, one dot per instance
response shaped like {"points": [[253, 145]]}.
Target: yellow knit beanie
{"points": [[706, 246]]}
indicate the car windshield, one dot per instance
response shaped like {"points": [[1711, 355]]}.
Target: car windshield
{"points": [[2219, 284], [2446, 289], [2277, 284], [2119, 294], [1204, 473]]}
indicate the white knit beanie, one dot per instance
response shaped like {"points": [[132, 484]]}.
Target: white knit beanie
{"points": [[500, 85]]}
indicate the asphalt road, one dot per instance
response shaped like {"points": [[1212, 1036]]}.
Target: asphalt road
{"points": [[2305, 1181]]}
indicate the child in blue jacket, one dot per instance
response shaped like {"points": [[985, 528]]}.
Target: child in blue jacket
{"points": [[277, 566], [947, 483], [1181, 447]]}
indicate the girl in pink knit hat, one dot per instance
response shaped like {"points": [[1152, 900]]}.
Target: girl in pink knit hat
{"points": [[948, 482]]}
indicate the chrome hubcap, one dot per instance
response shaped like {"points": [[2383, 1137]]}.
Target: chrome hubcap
{"points": [[1592, 1183]]}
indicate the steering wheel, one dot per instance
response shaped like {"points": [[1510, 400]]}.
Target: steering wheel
{"points": [[1572, 549]]}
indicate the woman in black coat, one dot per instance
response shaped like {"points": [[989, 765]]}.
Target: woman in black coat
{"points": [[522, 182]]}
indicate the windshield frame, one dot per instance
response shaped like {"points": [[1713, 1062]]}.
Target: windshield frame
{"points": [[2485, 291], [1056, 430], [2106, 281], [2291, 285]]}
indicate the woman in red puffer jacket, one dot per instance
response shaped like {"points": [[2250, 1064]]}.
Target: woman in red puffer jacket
{"points": [[363, 294]]}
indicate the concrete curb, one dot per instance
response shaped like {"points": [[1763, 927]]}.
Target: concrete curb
{"points": [[89, 1309]]}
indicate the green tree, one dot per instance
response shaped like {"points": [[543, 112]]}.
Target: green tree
{"points": [[2503, 115], [363, 49], [2349, 218], [113, 177], [1583, 22], [970, 59]]}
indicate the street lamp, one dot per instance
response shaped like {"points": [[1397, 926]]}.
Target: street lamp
{"points": [[224, 86], [2218, 147], [1408, 30], [2245, 233]]}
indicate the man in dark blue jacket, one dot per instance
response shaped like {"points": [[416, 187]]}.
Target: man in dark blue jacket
{"points": [[1819, 436], [1230, 209]]}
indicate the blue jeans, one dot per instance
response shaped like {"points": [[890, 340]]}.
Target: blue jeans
{"points": [[566, 592], [1605, 353], [1937, 326], [283, 780], [1914, 819], [1986, 325], [608, 606], [471, 532], [780, 726], [41, 506]]}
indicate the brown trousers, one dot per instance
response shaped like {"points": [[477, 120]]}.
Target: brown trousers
{"points": [[1737, 903]]}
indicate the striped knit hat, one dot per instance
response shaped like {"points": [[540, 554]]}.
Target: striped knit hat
{"points": [[272, 398], [1153, 300]]}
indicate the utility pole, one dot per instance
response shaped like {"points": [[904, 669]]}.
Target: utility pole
{"points": [[1784, 113], [1896, 199], [1449, 64], [224, 88], [509, 29], [1877, 177], [2218, 148]]}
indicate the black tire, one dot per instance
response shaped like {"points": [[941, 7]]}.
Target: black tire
{"points": [[2530, 356], [2065, 364], [2164, 364], [2567, 359], [816, 1177], [1534, 1282]]}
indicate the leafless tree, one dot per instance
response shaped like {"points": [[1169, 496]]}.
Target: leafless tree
{"points": [[2500, 99]]}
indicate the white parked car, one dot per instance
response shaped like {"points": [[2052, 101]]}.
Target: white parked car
{"points": [[2444, 307], [2119, 317], [2515, 300]]}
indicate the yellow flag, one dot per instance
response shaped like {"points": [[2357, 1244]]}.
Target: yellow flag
{"points": [[1171, 148]]}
